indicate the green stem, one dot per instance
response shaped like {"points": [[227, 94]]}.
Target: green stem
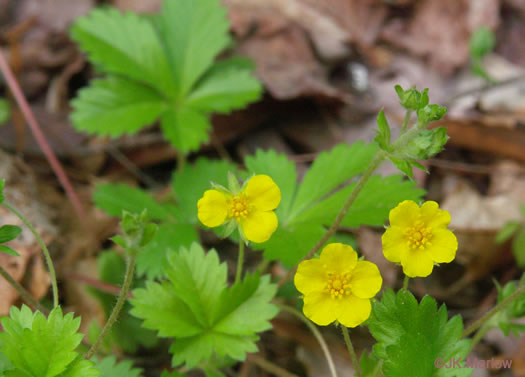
{"points": [[181, 161], [47, 256], [317, 335], [502, 305], [376, 161], [479, 335], [240, 261], [405, 282], [263, 266], [351, 351], [269, 366], [128, 280], [405, 121], [26, 296]]}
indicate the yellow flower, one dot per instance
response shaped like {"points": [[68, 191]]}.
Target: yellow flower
{"points": [[418, 237], [251, 208], [337, 286]]}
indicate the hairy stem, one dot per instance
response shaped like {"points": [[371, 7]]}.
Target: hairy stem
{"points": [[47, 256], [128, 280], [351, 351], [479, 335], [317, 334], [405, 282], [40, 137], [26, 296], [488, 315], [376, 161], [406, 120], [240, 261]]}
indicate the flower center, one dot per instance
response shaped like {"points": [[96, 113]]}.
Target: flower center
{"points": [[418, 236], [337, 285], [239, 207]]}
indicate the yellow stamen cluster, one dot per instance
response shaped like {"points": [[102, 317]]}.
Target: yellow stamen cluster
{"points": [[418, 236], [239, 207], [337, 285]]}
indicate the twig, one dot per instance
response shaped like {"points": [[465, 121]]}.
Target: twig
{"points": [[40, 137]]}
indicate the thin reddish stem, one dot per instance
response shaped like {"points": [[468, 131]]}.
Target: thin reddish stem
{"points": [[40, 137]]}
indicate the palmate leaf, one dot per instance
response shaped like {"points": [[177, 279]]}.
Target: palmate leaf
{"points": [[115, 198], [185, 128], [310, 208], [125, 44], [115, 106], [194, 32], [109, 367], [201, 313], [36, 346], [189, 184], [412, 336]]}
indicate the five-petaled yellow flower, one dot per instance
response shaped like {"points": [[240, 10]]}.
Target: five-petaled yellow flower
{"points": [[251, 208], [418, 237], [337, 286]]}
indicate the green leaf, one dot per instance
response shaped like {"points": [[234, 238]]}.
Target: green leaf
{"points": [[482, 41], [425, 144], [153, 258], [38, 347], [186, 26], [114, 106], [329, 170], [189, 185], [224, 89], [9, 233], [109, 368], [5, 112], [412, 336], [430, 113], [125, 44], [280, 169], [518, 248], [369, 364], [198, 279], [203, 315], [115, 198], [185, 128], [515, 310], [7, 250], [372, 206], [507, 231], [383, 134], [403, 166]]}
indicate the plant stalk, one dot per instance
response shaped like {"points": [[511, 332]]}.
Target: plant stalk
{"points": [[405, 282], [317, 335], [376, 161], [351, 351], [26, 296], [240, 261], [479, 335], [47, 256], [488, 315], [405, 121], [128, 280]]}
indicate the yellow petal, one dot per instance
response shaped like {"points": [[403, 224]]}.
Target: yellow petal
{"points": [[310, 276], [405, 214], [444, 246], [365, 280], [321, 308], [212, 208], [262, 192], [417, 263], [433, 216], [258, 226], [338, 258], [394, 244], [354, 310]]}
